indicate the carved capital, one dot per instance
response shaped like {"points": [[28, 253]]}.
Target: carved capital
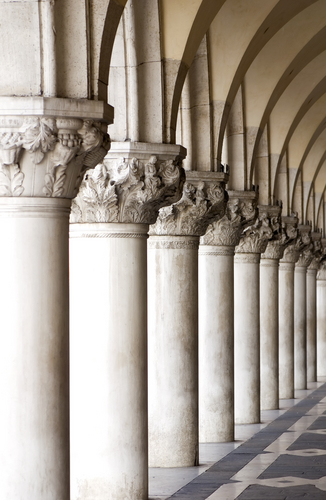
{"points": [[317, 251], [285, 232], [241, 211], [45, 145], [306, 254], [129, 190], [254, 239], [203, 201]]}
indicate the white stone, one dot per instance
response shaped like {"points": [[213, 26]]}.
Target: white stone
{"points": [[34, 366], [108, 361], [269, 334], [321, 326], [286, 330], [246, 338], [311, 326], [300, 328], [172, 350], [216, 344]]}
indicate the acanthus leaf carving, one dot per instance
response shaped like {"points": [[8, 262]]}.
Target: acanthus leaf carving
{"points": [[65, 150], [199, 206], [254, 239], [128, 190], [227, 231], [11, 177], [39, 137], [49, 149], [284, 234]]}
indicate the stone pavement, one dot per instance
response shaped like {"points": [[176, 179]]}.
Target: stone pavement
{"points": [[285, 460]]}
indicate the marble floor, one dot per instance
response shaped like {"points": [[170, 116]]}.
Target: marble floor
{"points": [[282, 458]]}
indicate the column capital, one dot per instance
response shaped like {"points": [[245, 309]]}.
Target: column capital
{"points": [[317, 251], [295, 244], [254, 239], [306, 254], [283, 236], [203, 201], [241, 211], [46, 142], [131, 189]]}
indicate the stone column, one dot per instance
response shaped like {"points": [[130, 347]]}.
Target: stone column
{"points": [[312, 309], [269, 264], [173, 319], [300, 310], [286, 313], [216, 318], [42, 152], [108, 273], [321, 320], [246, 314]]}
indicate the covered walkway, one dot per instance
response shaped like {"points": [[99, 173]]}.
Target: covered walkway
{"points": [[283, 458]]}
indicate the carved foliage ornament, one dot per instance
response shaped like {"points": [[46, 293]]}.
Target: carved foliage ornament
{"points": [[254, 239], [227, 231], [282, 238], [198, 207], [128, 190], [60, 141]]}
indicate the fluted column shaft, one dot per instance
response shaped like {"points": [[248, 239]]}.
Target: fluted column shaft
{"points": [[269, 333], [311, 325], [216, 343]]}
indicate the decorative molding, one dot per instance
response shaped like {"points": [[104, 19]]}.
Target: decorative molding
{"points": [[216, 250], [49, 153], [269, 262], [247, 258], [128, 190], [34, 207], [286, 266], [203, 202], [73, 234], [174, 245], [239, 213]]}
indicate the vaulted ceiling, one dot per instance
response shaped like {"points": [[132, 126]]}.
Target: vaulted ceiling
{"points": [[241, 82]]}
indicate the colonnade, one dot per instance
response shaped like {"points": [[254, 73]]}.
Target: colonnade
{"points": [[182, 320]]}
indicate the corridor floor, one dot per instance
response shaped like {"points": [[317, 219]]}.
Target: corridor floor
{"points": [[283, 458]]}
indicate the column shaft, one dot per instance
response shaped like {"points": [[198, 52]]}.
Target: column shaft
{"points": [[108, 272], [286, 330], [300, 328], [311, 326], [321, 327], [173, 350], [246, 338], [269, 334], [34, 374], [216, 344]]}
